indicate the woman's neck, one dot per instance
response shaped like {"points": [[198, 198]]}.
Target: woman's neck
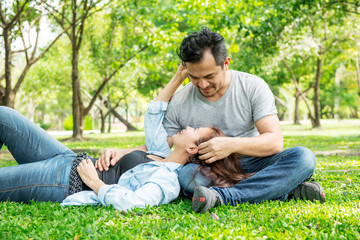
{"points": [[180, 157]]}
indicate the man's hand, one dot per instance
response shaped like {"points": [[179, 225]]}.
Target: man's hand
{"points": [[214, 149], [88, 174], [109, 157]]}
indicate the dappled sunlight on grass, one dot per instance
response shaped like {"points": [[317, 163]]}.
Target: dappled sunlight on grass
{"points": [[338, 162], [347, 127]]}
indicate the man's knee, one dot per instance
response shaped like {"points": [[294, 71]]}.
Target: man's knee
{"points": [[305, 159]]}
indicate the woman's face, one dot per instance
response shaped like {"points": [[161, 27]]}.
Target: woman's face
{"points": [[190, 135]]}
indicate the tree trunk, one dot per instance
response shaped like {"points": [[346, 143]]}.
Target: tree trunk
{"points": [[102, 116], [297, 112], [123, 120], [76, 105], [357, 71], [316, 122], [337, 97], [8, 95], [109, 117]]}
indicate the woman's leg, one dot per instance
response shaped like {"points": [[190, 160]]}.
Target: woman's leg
{"points": [[26, 141], [46, 180]]}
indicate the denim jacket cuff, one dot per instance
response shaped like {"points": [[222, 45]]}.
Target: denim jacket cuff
{"points": [[157, 107]]}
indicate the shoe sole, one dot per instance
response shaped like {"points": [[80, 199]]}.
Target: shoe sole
{"points": [[199, 201], [311, 191]]}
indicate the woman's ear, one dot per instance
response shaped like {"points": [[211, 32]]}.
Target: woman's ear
{"points": [[192, 149]]}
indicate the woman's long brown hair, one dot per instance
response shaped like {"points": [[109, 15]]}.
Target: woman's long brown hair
{"points": [[225, 172]]}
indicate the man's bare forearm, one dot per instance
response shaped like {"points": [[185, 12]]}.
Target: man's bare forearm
{"points": [[269, 142], [263, 145]]}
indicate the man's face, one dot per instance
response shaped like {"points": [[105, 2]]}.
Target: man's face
{"points": [[209, 78]]}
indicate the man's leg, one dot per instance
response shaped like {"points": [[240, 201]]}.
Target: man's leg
{"points": [[46, 180], [26, 141], [282, 173], [275, 177]]}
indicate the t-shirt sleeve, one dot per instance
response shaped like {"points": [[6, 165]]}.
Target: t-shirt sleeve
{"points": [[262, 100]]}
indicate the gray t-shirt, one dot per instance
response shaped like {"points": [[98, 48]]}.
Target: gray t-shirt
{"points": [[247, 100]]}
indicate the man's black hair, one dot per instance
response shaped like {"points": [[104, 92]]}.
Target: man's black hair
{"points": [[193, 47]]}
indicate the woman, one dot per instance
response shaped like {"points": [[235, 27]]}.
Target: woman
{"points": [[51, 172]]}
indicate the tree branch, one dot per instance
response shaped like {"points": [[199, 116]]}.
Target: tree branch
{"points": [[32, 61], [60, 22], [23, 41], [52, 10], [290, 70], [144, 26], [122, 65], [22, 50], [51, 44], [298, 89], [16, 17], [107, 79]]}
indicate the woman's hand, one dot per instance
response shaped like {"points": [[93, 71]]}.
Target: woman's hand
{"points": [[88, 174], [182, 72]]}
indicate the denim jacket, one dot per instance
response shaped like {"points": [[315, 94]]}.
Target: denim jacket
{"points": [[147, 184]]}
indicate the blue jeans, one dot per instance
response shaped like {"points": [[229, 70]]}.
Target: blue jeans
{"points": [[275, 177], [44, 163]]}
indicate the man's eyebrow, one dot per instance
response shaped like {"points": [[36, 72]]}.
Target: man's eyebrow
{"points": [[192, 76], [209, 75]]}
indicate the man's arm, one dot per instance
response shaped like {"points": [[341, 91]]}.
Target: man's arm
{"points": [[269, 142]]}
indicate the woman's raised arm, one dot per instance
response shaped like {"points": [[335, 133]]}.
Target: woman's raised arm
{"points": [[180, 75]]}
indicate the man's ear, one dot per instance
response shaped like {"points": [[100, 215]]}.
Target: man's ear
{"points": [[227, 63], [192, 149]]}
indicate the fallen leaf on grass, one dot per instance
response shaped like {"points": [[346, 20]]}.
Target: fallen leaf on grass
{"points": [[214, 216]]}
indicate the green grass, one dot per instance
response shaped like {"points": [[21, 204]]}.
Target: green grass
{"points": [[338, 171]]}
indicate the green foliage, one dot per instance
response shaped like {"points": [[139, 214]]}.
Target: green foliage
{"points": [[68, 123], [45, 126], [258, 35]]}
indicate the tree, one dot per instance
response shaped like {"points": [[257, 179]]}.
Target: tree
{"points": [[304, 48], [73, 15], [115, 41], [18, 17]]}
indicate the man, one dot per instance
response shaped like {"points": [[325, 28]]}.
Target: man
{"points": [[243, 107]]}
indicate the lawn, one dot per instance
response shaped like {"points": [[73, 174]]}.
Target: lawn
{"points": [[338, 171]]}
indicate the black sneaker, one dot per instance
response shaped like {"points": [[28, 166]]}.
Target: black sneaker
{"points": [[204, 199], [311, 191]]}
